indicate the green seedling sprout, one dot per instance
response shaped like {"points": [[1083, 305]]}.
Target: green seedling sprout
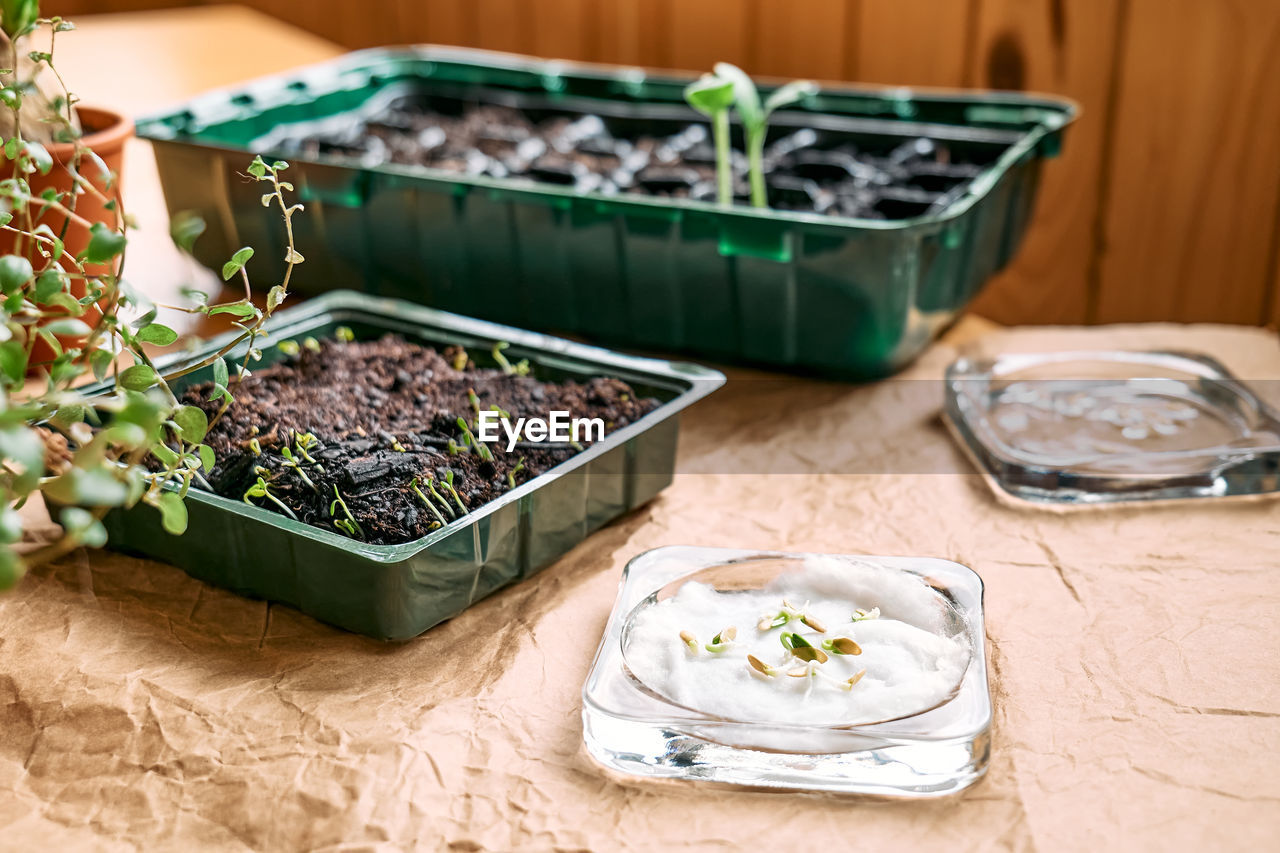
{"points": [[344, 334], [291, 461], [413, 486], [448, 484], [713, 96], [311, 344], [474, 400], [722, 641], [511, 475], [289, 347], [520, 368], [483, 451], [305, 442], [755, 118], [460, 360], [444, 502], [347, 525], [260, 489]]}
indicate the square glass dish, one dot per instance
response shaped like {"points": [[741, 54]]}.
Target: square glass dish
{"points": [[821, 733], [1101, 427]]}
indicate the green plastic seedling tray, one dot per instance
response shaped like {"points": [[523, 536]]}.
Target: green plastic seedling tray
{"points": [[395, 592], [852, 297]]}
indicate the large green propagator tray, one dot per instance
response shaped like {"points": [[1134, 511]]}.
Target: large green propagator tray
{"points": [[799, 291], [396, 592]]}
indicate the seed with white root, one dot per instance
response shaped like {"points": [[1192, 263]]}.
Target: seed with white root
{"points": [[842, 646], [690, 641], [808, 653], [812, 622], [760, 666], [723, 640], [854, 679], [860, 614]]}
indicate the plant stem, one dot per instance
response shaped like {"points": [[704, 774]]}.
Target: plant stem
{"points": [[724, 162], [755, 167]]}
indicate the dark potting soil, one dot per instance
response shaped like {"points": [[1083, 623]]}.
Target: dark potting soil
{"points": [[898, 180], [383, 413]]}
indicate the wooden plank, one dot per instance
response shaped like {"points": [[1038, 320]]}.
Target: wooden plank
{"points": [[802, 38], [1067, 49], [1190, 216], [566, 29], [630, 32], [1272, 316], [700, 34], [504, 25], [911, 42]]}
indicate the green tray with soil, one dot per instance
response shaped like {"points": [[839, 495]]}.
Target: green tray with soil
{"points": [[346, 487], [575, 198]]}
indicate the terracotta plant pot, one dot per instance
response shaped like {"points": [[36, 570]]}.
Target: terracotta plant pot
{"points": [[106, 133]]}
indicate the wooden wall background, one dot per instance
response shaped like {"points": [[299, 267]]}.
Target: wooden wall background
{"points": [[1164, 206]]}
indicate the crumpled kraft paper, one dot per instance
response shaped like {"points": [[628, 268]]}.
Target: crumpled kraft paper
{"points": [[1134, 653]]}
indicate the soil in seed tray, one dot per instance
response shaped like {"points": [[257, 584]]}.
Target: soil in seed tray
{"points": [[806, 170], [362, 421]]}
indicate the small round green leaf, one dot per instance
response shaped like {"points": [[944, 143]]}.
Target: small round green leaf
{"points": [[173, 513], [193, 422], [140, 377], [155, 333], [15, 272], [104, 244]]}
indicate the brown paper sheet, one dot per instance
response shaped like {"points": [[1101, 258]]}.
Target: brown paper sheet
{"points": [[1135, 659]]}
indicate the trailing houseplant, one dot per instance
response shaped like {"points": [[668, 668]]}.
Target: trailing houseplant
{"points": [[67, 313]]}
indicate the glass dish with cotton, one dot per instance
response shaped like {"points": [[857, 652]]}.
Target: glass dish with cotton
{"points": [[843, 673]]}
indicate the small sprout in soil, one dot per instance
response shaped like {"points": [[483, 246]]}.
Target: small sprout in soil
{"points": [[290, 461], [712, 96], [255, 447], [454, 450], [801, 648], [344, 334], [260, 489], [576, 446], [305, 443], [448, 484], [842, 646], [460, 360], [511, 475], [397, 446], [690, 641], [520, 368], [311, 344], [760, 666], [289, 347], [723, 640], [474, 400], [347, 525], [481, 449], [413, 486], [755, 118], [859, 615], [431, 487]]}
